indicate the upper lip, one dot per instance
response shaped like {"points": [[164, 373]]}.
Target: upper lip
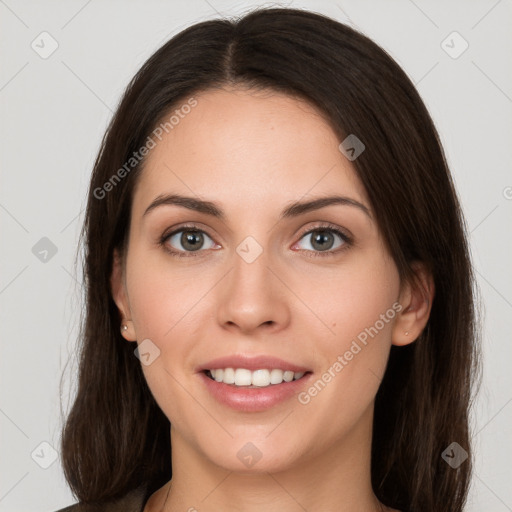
{"points": [[252, 363]]}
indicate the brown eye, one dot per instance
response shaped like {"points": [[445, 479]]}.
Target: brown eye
{"points": [[191, 240], [323, 239], [186, 240]]}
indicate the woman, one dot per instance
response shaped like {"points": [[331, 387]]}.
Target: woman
{"points": [[278, 284]]}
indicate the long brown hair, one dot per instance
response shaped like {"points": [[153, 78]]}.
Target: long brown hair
{"points": [[115, 437]]}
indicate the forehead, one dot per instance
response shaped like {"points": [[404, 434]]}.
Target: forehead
{"points": [[241, 145]]}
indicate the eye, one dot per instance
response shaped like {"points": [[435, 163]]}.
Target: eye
{"points": [[321, 240], [190, 238]]}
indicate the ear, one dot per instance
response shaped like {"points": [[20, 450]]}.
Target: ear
{"points": [[120, 296], [416, 300]]}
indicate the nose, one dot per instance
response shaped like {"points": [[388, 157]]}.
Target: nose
{"points": [[251, 297]]}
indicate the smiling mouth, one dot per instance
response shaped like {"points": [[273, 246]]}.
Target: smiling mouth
{"points": [[262, 378]]}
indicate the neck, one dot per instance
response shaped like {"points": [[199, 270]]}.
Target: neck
{"points": [[336, 478]]}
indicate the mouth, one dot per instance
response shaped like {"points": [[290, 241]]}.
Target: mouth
{"points": [[252, 383], [252, 391], [261, 378]]}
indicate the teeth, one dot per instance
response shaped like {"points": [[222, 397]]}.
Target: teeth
{"points": [[229, 376], [242, 377], [259, 378], [288, 376], [276, 376]]}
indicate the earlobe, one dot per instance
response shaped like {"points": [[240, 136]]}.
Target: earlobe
{"points": [[128, 331], [416, 299], [119, 295]]}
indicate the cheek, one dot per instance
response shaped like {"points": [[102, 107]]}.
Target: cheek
{"points": [[161, 298], [353, 298], [165, 310], [357, 306]]}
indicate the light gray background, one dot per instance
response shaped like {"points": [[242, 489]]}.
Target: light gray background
{"points": [[54, 112]]}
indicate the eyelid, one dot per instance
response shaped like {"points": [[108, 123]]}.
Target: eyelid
{"points": [[328, 227], [184, 227], [348, 239], [177, 229]]}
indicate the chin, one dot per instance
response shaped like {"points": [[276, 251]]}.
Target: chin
{"points": [[253, 455]]}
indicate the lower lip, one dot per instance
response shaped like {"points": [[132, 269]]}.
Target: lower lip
{"points": [[253, 399]]}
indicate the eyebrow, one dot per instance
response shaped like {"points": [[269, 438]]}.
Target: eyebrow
{"points": [[293, 210]]}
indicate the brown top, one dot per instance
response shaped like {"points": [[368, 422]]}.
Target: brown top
{"points": [[134, 501]]}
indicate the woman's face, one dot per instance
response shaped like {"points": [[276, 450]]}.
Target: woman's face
{"points": [[257, 283]]}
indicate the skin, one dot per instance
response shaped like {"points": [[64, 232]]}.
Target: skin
{"points": [[254, 153]]}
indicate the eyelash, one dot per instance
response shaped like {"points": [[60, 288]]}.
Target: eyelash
{"points": [[322, 227]]}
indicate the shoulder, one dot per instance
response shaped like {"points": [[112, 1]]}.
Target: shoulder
{"points": [[71, 508], [134, 501]]}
